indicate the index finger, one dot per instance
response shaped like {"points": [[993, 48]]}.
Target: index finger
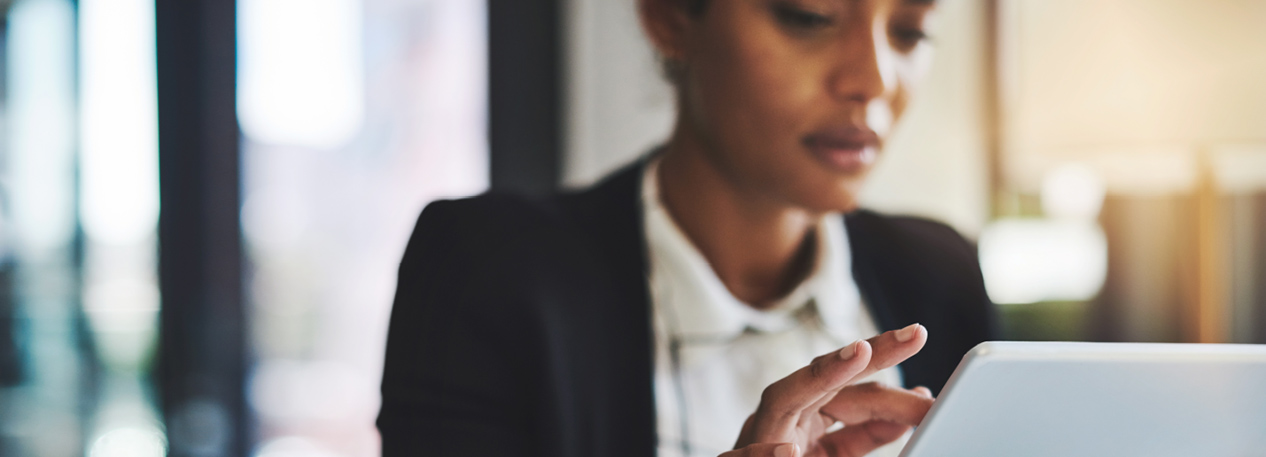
{"points": [[893, 347]]}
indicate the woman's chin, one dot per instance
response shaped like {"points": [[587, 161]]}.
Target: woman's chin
{"points": [[840, 196]]}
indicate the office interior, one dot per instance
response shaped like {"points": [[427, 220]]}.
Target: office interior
{"points": [[203, 202]]}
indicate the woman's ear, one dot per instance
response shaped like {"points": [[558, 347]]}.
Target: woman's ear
{"points": [[666, 23]]}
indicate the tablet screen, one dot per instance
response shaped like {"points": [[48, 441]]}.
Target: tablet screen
{"points": [[1111, 399]]}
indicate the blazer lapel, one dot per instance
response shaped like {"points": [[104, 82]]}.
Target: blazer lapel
{"points": [[610, 213], [867, 269]]}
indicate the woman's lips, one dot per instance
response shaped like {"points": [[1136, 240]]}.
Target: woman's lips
{"points": [[849, 150]]}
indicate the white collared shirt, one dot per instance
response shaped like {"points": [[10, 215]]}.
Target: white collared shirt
{"points": [[714, 355]]}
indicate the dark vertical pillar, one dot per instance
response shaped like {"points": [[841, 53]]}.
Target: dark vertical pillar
{"points": [[202, 355], [10, 357], [524, 94], [1259, 270], [1152, 250]]}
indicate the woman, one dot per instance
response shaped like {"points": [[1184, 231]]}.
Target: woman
{"points": [[678, 304]]}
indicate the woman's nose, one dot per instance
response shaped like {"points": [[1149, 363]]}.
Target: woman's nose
{"points": [[865, 65]]}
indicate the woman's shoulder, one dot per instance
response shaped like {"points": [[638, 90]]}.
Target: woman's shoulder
{"points": [[492, 211], [493, 225], [912, 234], [612, 201], [504, 226]]}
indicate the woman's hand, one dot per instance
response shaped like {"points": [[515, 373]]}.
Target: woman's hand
{"points": [[795, 412], [765, 450]]}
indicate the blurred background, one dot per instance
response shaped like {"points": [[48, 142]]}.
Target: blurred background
{"points": [[203, 202]]}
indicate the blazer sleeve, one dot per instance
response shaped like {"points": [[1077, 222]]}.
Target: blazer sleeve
{"points": [[971, 316], [976, 316], [452, 383]]}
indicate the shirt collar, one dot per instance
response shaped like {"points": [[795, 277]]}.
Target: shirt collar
{"points": [[697, 305]]}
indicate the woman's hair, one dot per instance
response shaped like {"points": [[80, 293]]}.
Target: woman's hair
{"points": [[697, 6]]}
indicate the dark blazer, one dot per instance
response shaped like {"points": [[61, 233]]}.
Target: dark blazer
{"points": [[522, 327]]}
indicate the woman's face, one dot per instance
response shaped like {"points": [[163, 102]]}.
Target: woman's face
{"points": [[792, 99]]}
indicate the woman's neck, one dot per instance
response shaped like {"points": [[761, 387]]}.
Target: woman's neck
{"points": [[759, 247]]}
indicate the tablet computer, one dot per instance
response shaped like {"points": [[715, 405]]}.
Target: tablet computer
{"points": [[1100, 399]]}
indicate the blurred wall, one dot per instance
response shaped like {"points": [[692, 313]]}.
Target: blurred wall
{"points": [[619, 107], [1164, 100], [1132, 85]]}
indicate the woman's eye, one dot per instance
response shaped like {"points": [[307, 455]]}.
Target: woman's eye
{"points": [[796, 18], [909, 38]]}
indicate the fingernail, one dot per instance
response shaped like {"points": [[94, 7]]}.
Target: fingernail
{"points": [[849, 351], [787, 450], [906, 334]]}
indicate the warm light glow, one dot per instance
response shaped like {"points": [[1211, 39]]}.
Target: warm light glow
{"points": [[1072, 192], [300, 71], [1035, 260], [119, 121], [1134, 72], [1240, 169]]}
